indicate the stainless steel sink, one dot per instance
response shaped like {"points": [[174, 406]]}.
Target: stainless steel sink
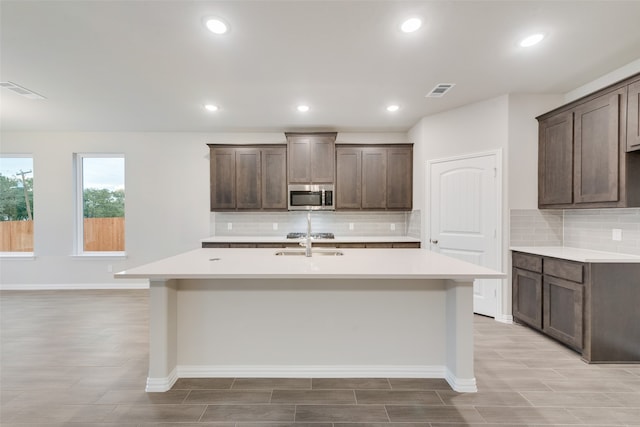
{"points": [[313, 253]]}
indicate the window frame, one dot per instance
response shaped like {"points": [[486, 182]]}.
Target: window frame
{"points": [[78, 246], [31, 254]]}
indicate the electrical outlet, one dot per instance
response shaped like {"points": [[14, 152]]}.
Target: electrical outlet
{"points": [[229, 226], [350, 226], [616, 234], [392, 227], [275, 225]]}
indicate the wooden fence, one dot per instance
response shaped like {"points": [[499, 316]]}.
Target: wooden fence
{"points": [[16, 236], [100, 234], [104, 234]]}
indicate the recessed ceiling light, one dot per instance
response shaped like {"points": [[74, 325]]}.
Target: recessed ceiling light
{"points": [[303, 108], [411, 25], [532, 40], [216, 25], [393, 108], [211, 107]]}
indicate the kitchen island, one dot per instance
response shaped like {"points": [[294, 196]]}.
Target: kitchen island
{"points": [[366, 313]]}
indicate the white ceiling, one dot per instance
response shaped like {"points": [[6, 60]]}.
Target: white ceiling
{"points": [[151, 65]]}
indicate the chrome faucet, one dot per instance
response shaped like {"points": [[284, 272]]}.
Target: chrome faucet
{"points": [[307, 240]]}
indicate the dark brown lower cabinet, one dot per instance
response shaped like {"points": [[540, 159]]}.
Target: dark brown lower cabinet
{"points": [[527, 297], [562, 310], [593, 308], [294, 244]]}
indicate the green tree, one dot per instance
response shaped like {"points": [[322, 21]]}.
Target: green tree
{"points": [[103, 203], [13, 206]]}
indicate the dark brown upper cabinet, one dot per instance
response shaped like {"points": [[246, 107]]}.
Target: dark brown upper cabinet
{"points": [[311, 157], [374, 177], [583, 158], [248, 177], [596, 173], [633, 117], [400, 178], [274, 178], [555, 157], [348, 178]]}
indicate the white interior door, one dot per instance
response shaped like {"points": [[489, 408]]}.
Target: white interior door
{"points": [[464, 209]]}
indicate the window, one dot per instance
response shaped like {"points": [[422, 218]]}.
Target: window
{"points": [[100, 204], [16, 204]]}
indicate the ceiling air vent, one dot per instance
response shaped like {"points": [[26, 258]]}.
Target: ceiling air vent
{"points": [[440, 90], [21, 90]]}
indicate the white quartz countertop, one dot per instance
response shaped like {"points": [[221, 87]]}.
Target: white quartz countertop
{"points": [[212, 263], [577, 254], [283, 239]]}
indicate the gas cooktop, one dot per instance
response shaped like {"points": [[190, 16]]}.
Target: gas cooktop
{"points": [[313, 235]]}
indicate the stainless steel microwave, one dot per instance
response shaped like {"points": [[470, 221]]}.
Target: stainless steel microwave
{"points": [[315, 197]]}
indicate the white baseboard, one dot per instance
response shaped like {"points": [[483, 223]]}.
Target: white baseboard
{"points": [[162, 384], [461, 385], [73, 286], [310, 371], [505, 318]]}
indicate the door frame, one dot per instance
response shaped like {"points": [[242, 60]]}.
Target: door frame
{"points": [[501, 316]]}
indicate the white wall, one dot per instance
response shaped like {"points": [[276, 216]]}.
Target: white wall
{"points": [[167, 198], [522, 159], [603, 81]]}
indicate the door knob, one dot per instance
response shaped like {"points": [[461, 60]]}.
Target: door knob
{"points": [[435, 242]]}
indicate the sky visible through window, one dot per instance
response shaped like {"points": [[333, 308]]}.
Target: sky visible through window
{"points": [[10, 166], [98, 172], [103, 172]]}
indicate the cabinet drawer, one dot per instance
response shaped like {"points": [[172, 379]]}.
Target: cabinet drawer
{"points": [[527, 262], [214, 245], [407, 245], [568, 270]]}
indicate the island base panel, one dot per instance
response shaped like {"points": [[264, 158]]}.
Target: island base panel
{"points": [[311, 328]]}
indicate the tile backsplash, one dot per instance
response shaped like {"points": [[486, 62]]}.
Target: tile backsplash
{"points": [[592, 229], [584, 228], [339, 223], [532, 227]]}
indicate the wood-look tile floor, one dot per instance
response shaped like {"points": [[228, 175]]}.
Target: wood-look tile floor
{"points": [[79, 358]]}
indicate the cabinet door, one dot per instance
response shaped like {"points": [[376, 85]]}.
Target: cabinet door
{"points": [[248, 177], [597, 149], [563, 310], [555, 160], [348, 178], [374, 178], [323, 152], [274, 178], [223, 178], [311, 158], [633, 117], [400, 178], [527, 297], [299, 154]]}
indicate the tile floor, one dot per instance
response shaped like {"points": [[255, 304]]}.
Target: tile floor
{"points": [[79, 358]]}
